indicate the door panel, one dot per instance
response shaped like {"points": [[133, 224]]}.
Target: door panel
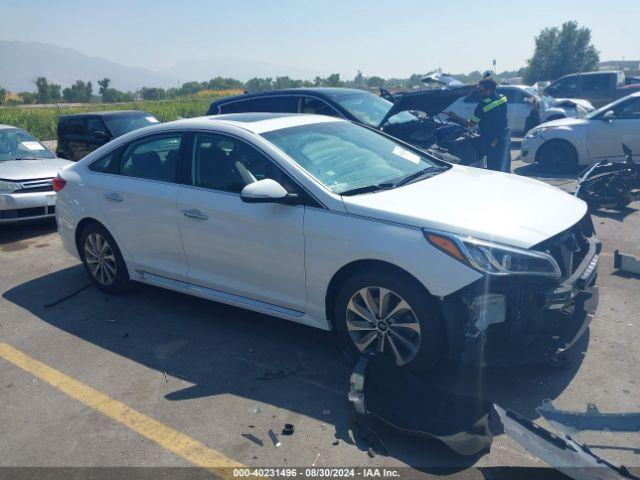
{"points": [[140, 203], [249, 249], [606, 137], [255, 250]]}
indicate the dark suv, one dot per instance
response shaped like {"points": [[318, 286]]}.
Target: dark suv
{"points": [[412, 118], [81, 133]]}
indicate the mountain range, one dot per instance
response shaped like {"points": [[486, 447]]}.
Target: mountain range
{"points": [[22, 62]]}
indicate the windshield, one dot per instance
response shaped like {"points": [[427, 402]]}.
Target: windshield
{"points": [[344, 156], [370, 109], [125, 123], [17, 144]]}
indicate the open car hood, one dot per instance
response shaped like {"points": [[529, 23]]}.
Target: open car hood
{"points": [[431, 102]]}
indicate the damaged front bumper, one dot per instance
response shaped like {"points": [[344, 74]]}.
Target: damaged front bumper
{"points": [[506, 321]]}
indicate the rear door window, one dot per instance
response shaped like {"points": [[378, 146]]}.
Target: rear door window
{"points": [[154, 158], [595, 83]]}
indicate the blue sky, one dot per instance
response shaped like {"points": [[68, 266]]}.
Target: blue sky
{"points": [[389, 38]]}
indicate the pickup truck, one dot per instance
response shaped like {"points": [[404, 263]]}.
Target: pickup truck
{"points": [[599, 88]]}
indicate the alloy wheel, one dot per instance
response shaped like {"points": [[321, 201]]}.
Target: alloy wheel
{"points": [[380, 320], [100, 259]]}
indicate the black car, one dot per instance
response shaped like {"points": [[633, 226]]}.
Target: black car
{"points": [[413, 119], [81, 133]]}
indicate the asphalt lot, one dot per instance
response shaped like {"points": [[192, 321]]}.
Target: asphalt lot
{"points": [[205, 371]]}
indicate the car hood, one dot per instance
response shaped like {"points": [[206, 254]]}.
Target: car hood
{"points": [[500, 207], [563, 102], [431, 102], [566, 122], [31, 169]]}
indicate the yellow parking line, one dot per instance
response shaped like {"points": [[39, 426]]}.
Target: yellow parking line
{"points": [[168, 438]]}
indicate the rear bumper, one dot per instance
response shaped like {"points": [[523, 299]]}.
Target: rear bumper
{"points": [[15, 207], [507, 322]]}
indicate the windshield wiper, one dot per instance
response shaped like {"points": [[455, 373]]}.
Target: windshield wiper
{"points": [[367, 189], [420, 175], [28, 158]]}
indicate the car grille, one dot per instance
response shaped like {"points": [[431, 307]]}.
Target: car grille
{"points": [[570, 246], [38, 185]]}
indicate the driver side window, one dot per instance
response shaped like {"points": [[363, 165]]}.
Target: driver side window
{"points": [[226, 164], [629, 110]]}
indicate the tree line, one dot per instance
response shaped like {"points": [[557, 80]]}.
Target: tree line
{"points": [[558, 51]]}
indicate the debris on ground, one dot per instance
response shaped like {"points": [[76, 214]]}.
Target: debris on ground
{"points": [[288, 429], [253, 438], [274, 438]]}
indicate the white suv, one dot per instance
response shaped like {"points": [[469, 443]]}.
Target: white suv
{"points": [[331, 224]]}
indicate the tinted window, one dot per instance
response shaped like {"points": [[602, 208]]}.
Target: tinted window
{"points": [[317, 106], [595, 83], [96, 125], [629, 110], [128, 122], [107, 164], [569, 84], [73, 126], [226, 164], [284, 104], [153, 159]]}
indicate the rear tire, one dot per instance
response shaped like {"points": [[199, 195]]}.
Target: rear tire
{"points": [[558, 156], [407, 326], [102, 259]]}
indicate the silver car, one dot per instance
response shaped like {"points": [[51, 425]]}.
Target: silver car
{"points": [[27, 169]]}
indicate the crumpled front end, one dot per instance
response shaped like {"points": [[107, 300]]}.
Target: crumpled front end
{"points": [[508, 320]]}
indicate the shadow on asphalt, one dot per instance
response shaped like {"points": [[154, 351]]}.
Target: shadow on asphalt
{"points": [[226, 350], [14, 236]]}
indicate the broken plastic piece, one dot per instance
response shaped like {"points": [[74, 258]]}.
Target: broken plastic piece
{"points": [[626, 263], [592, 419], [274, 438], [416, 408]]}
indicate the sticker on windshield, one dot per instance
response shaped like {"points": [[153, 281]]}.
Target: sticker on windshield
{"points": [[406, 154], [152, 119], [33, 146]]}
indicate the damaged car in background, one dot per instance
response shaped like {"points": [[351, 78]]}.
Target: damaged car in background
{"points": [[413, 119], [337, 226]]}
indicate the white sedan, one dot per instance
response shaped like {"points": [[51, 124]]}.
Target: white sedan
{"points": [[565, 144], [521, 102], [330, 224]]}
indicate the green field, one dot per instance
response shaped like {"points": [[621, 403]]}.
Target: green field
{"points": [[41, 121]]}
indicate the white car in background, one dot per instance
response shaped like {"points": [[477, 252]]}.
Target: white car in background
{"points": [[522, 101], [334, 225], [27, 169], [563, 145]]}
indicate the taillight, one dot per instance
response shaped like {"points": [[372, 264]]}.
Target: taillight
{"points": [[58, 184]]}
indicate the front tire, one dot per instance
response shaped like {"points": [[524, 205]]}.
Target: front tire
{"points": [[558, 156], [384, 311], [102, 259]]}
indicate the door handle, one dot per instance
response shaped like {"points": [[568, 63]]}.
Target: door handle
{"points": [[113, 196], [195, 214]]}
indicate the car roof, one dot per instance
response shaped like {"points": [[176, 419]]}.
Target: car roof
{"points": [[104, 113], [324, 91], [256, 123], [5, 127]]}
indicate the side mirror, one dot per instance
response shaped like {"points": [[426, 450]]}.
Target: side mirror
{"points": [[608, 116], [267, 191]]}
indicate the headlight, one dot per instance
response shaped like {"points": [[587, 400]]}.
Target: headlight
{"points": [[8, 187], [495, 259]]}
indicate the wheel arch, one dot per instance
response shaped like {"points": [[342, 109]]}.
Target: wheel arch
{"points": [[82, 224], [357, 266]]}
